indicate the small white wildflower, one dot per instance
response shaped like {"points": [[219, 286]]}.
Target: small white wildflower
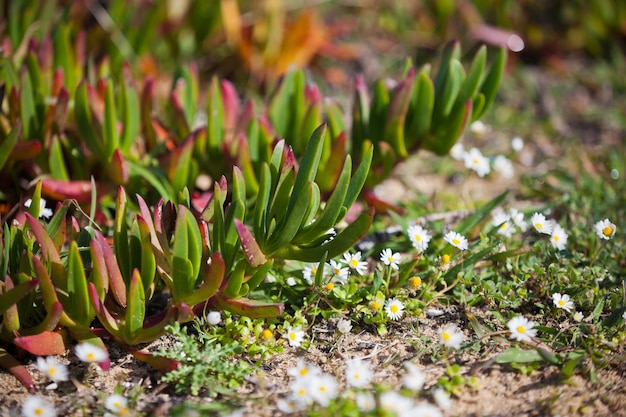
{"points": [[309, 273], [521, 329], [419, 237], [344, 326], [358, 373], [457, 240], [338, 271], [434, 312], [295, 336], [475, 160], [36, 406], [457, 151], [390, 259], [365, 401], [87, 352], [562, 301], [518, 219], [422, 410], [116, 403], [517, 144], [624, 316], [605, 229], [394, 402], [394, 308], [54, 370], [303, 369], [442, 398], [291, 281], [324, 388], [43, 210], [413, 377], [558, 237], [354, 262], [502, 221], [478, 128], [503, 166], [289, 405], [301, 391], [451, 336], [214, 318], [578, 316], [540, 223]]}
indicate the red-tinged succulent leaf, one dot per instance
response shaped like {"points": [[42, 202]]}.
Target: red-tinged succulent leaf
{"points": [[49, 292], [67, 190], [99, 274], [49, 323], [59, 115], [48, 250], [231, 103], [163, 365], [381, 206], [11, 364], [42, 344], [145, 105], [58, 82], [398, 107], [246, 307], [107, 320], [327, 178], [10, 296], [11, 316], [118, 168], [154, 326], [178, 113], [250, 246], [116, 280], [25, 150], [246, 116], [212, 273]]}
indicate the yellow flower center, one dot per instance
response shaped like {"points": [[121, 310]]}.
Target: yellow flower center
{"points": [[445, 258], [313, 271], [415, 282], [375, 305], [394, 308], [323, 389], [51, 370], [475, 161], [267, 334], [337, 271], [301, 392], [561, 303], [329, 286], [304, 371], [456, 241], [293, 336], [39, 411], [446, 336], [556, 238], [91, 356], [354, 263], [607, 231], [521, 329], [390, 259], [418, 238], [539, 226]]}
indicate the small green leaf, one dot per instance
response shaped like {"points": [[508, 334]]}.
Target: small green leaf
{"points": [[136, 308], [490, 84], [517, 355], [79, 308], [110, 134]]}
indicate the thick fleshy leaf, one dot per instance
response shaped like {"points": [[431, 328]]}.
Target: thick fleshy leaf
{"points": [[42, 344], [6, 148], [163, 365], [246, 307], [135, 308], [116, 280], [67, 190], [212, 274], [396, 117], [11, 364], [250, 246], [9, 297]]}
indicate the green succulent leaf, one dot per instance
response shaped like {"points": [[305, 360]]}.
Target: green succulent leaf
{"points": [[136, 308], [490, 84]]}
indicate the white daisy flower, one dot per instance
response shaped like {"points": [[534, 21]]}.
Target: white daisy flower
{"points": [[303, 369], [605, 229], [562, 301], [457, 240], [558, 237], [476, 161], [339, 272], [88, 352], [324, 388], [521, 329], [451, 336], [394, 402], [43, 210], [578, 316], [354, 262], [344, 326], [502, 221], [394, 308], [289, 405], [390, 259], [478, 128], [422, 410], [117, 404], [457, 151], [442, 398], [309, 272], [295, 336], [301, 392], [419, 237], [518, 219], [503, 166], [540, 223], [53, 369], [358, 373], [413, 377], [36, 406], [365, 401]]}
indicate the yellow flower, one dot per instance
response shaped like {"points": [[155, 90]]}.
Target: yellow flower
{"points": [[415, 282]]}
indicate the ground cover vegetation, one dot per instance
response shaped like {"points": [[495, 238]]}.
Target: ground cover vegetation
{"points": [[155, 212]]}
